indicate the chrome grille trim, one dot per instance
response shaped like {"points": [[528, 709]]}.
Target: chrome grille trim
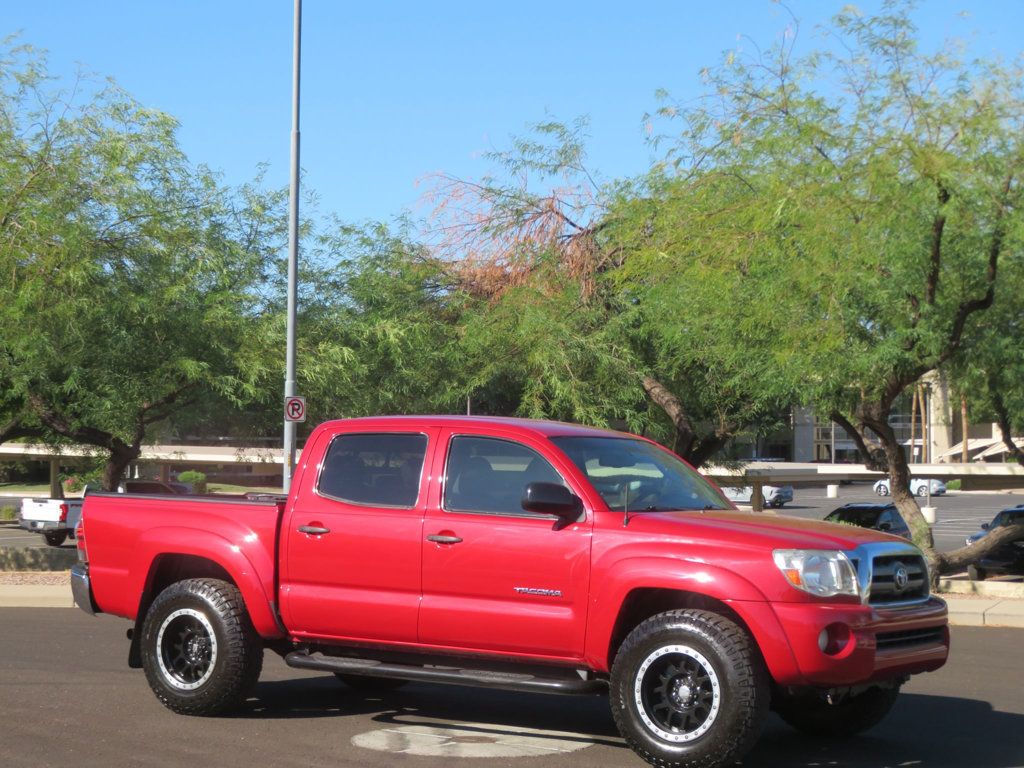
{"points": [[874, 563]]}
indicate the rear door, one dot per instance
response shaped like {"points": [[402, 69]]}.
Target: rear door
{"points": [[351, 557], [497, 578]]}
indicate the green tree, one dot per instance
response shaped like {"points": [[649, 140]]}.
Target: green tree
{"points": [[990, 372], [127, 285], [378, 328], [849, 213], [561, 324]]}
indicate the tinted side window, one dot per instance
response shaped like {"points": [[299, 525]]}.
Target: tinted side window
{"points": [[374, 469], [488, 475]]}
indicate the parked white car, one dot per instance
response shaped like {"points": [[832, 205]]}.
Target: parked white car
{"points": [[774, 495], [56, 519], [918, 487]]}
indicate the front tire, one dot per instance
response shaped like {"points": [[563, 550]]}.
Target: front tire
{"points": [[55, 538], [974, 573], [882, 490], [200, 652], [689, 689], [922, 491], [815, 715]]}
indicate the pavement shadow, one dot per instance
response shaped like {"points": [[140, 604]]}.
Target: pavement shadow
{"points": [[922, 731], [440, 705]]}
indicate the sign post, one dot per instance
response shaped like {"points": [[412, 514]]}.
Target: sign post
{"points": [[293, 259]]}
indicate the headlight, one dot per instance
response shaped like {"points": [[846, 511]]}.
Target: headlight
{"points": [[821, 572]]}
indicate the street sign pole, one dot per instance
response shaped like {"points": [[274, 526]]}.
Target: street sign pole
{"points": [[293, 255]]}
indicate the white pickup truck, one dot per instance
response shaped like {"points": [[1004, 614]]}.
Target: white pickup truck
{"points": [[56, 519]]}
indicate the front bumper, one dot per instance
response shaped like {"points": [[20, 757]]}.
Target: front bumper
{"points": [[873, 643], [81, 589]]}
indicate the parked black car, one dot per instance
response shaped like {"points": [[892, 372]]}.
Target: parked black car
{"points": [[1007, 559], [881, 517]]}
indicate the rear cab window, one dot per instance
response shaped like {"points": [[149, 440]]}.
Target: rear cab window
{"points": [[382, 469]]}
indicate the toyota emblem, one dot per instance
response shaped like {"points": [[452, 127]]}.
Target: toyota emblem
{"points": [[900, 578]]}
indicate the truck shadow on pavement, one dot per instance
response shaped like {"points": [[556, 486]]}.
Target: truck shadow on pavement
{"points": [[923, 731], [473, 709]]}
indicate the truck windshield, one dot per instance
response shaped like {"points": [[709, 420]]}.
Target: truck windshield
{"points": [[635, 476]]}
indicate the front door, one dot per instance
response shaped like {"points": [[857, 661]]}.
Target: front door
{"points": [[494, 576], [352, 543]]}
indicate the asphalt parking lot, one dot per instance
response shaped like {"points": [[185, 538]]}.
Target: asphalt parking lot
{"points": [[67, 697], [958, 514]]}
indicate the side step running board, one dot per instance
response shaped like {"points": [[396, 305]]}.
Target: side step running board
{"points": [[480, 678]]}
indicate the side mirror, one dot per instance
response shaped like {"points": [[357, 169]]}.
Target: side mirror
{"points": [[552, 499], [984, 526]]}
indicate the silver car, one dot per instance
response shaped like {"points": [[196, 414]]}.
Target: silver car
{"points": [[918, 487], [774, 495]]}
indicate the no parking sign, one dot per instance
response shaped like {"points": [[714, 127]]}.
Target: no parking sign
{"points": [[295, 408]]}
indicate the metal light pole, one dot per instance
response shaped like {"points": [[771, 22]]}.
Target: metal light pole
{"points": [[293, 255]]}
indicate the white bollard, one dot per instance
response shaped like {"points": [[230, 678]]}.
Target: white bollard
{"points": [[929, 514], [832, 491]]}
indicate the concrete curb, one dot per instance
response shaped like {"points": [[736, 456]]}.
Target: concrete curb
{"points": [[36, 596], [963, 612], [992, 589]]}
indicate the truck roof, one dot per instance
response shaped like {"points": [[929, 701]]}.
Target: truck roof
{"points": [[536, 427]]}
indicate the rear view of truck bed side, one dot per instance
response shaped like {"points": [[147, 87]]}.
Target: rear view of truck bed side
{"points": [[137, 545]]}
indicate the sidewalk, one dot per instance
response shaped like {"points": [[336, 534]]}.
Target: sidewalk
{"points": [[963, 611]]}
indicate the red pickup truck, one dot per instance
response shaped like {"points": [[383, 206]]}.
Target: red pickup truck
{"points": [[525, 555]]}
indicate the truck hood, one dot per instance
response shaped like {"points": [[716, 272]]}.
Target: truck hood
{"points": [[756, 530]]}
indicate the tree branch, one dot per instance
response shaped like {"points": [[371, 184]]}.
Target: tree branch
{"points": [[870, 451], [969, 307]]}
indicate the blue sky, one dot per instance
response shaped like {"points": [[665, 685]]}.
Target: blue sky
{"points": [[395, 91]]}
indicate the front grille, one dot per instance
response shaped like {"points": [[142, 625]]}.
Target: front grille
{"points": [[908, 638], [898, 578]]}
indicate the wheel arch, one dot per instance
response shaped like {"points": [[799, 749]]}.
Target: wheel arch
{"points": [[648, 587], [167, 568], [642, 603]]}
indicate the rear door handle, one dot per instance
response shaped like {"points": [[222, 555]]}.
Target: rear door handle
{"points": [[314, 530], [442, 539]]}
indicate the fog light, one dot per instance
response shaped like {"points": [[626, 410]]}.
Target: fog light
{"points": [[834, 639]]}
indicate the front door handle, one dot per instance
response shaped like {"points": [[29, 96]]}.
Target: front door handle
{"points": [[442, 539], [314, 530]]}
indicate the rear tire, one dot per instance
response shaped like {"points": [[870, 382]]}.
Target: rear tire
{"points": [[922, 491], [974, 573], [688, 688], [814, 715], [200, 652], [881, 490], [55, 538]]}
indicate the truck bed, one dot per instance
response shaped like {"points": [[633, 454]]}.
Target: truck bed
{"points": [[130, 537]]}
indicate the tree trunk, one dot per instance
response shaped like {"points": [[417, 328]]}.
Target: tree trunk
{"points": [[957, 560], [1005, 429], [913, 426], [899, 482], [118, 462], [965, 454]]}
